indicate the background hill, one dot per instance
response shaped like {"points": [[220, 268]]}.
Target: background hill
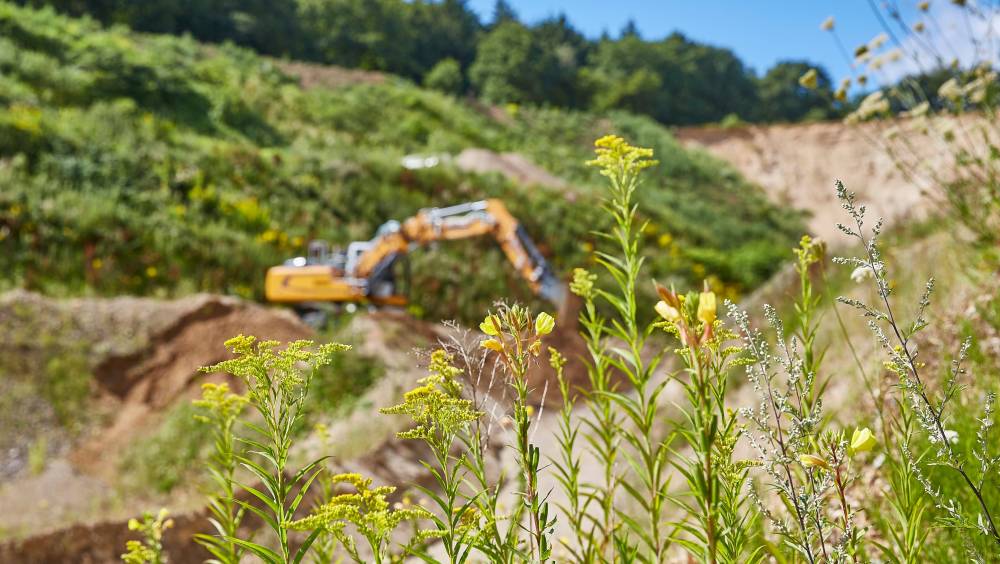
{"points": [[147, 164]]}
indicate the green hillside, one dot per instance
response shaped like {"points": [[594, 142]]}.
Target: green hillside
{"points": [[145, 164]]}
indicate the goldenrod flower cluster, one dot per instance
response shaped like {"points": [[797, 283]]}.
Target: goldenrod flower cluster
{"points": [[617, 159], [436, 406], [366, 509]]}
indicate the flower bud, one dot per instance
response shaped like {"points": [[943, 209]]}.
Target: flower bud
{"points": [[863, 440], [667, 311], [813, 461], [544, 324], [706, 307]]}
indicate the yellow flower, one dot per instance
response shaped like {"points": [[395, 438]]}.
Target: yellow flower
{"points": [[863, 440], [667, 311], [706, 307], [492, 344], [813, 461], [488, 327], [151, 271], [809, 79], [544, 324], [827, 24]]}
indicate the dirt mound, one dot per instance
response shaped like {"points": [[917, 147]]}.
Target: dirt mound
{"points": [[514, 166], [313, 75], [798, 164]]}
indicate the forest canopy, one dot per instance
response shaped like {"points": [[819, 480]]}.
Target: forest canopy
{"points": [[444, 44]]}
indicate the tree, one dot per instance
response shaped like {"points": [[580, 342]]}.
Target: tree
{"points": [[782, 98], [446, 76], [510, 65], [503, 12]]}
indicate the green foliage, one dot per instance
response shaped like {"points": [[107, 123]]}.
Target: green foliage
{"points": [[446, 76], [675, 80], [782, 98], [165, 458], [277, 384], [154, 165], [220, 409]]}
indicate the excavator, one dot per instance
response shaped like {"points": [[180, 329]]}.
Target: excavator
{"points": [[365, 273]]}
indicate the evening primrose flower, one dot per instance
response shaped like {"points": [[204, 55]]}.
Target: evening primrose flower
{"points": [[667, 311], [488, 327], [707, 307], [491, 344], [813, 461], [544, 324], [809, 79], [863, 440]]}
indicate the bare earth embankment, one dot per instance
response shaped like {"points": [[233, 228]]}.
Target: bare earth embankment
{"points": [[797, 165]]}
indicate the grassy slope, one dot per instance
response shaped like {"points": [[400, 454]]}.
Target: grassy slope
{"points": [[154, 165]]}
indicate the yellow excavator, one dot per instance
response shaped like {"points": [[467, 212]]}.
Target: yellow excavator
{"points": [[364, 272]]}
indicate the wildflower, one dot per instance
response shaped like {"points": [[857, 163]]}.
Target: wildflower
{"points": [[878, 41], [874, 104], [924, 6], [862, 79], [583, 283], [919, 27], [827, 24], [861, 273], [916, 111], [544, 324], [492, 344], [151, 271], [667, 311], [861, 51], [809, 79], [615, 157], [813, 461], [862, 440], [488, 327], [707, 307], [950, 90]]}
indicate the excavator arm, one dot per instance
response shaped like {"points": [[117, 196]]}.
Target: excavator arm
{"points": [[475, 219]]}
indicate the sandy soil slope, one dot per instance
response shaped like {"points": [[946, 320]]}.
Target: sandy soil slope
{"points": [[798, 164]]}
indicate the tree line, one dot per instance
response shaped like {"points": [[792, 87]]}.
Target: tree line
{"points": [[445, 45]]}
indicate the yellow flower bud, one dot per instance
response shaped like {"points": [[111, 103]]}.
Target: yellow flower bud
{"points": [[488, 327], [706, 307], [544, 324], [667, 311], [813, 461], [863, 440], [492, 344]]}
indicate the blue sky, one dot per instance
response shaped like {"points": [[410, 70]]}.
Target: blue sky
{"points": [[761, 32]]}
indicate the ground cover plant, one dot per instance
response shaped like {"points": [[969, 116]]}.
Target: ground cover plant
{"points": [[155, 165], [776, 478]]}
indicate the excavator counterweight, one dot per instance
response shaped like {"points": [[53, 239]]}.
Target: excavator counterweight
{"points": [[364, 272]]}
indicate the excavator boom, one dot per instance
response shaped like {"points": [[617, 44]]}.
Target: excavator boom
{"points": [[365, 273]]}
